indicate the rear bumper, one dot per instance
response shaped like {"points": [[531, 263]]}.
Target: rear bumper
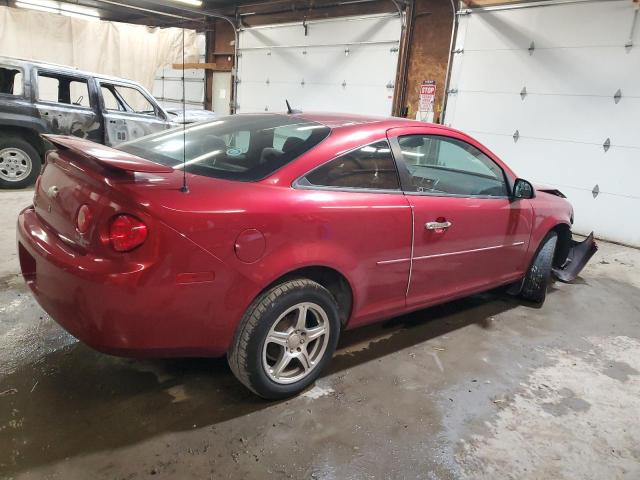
{"points": [[136, 309]]}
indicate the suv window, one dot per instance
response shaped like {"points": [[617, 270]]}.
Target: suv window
{"points": [[127, 98], [370, 167], [238, 147], [11, 81], [61, 89], [443, 165], [110, 100]]}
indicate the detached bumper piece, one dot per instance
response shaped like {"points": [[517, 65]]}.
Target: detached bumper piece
{"points": [[579, 255]]}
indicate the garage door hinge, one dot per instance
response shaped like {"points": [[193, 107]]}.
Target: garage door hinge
{"points": [[452, 91], [516, 136], [531, 48], [394, 49], [607, 144], [523, 93], [238, 80], [617, 96], [464, 11], [459, 50], [391, 85]]}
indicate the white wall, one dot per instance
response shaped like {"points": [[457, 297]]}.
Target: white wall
{"points": [[578, 64], [110, 48], [343, 65]]}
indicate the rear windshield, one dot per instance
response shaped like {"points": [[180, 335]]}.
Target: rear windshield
{"points": [[238, 147]]}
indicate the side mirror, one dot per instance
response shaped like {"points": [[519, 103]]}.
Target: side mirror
{"points": [[523, 189]]}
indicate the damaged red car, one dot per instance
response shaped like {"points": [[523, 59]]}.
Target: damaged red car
{"points": [[262, 237]]}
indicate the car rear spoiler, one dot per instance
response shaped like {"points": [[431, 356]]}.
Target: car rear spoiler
{"points": [[107, 156], [579, 254]]}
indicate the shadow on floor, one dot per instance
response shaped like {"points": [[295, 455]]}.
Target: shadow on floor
{"points": [[76, 401]]}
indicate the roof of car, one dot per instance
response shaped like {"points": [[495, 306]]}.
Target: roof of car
{"points": [[13, 61], [339, 120]]}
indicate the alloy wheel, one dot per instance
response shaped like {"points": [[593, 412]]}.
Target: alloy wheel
{"points": [[296, 343]]}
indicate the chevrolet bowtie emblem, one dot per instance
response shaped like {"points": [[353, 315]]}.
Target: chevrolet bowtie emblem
{"points": [[53, 191]]}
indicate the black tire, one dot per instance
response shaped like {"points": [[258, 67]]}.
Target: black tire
{"points": [[536, 281], [15, 147], [246, 354]]}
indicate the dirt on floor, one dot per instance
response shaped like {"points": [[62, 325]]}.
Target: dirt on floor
{"points": [[485, 387]]}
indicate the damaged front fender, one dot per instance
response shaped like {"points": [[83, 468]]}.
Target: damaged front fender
{"points": [[579, 255]]}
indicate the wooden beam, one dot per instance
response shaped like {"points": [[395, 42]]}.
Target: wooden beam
{"points": [[194, 66]]}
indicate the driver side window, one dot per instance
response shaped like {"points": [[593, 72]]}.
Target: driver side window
{"points": [[123, 98], [441, 165]]}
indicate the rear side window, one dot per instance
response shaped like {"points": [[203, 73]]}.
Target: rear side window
{"points": [[11, 81], [239, 147], [61, 89], [369, 167]]}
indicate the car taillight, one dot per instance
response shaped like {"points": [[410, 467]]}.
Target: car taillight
{"points": [[83, 219], [126, 233]]}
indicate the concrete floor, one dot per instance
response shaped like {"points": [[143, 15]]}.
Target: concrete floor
{"points": [[485, 387]]}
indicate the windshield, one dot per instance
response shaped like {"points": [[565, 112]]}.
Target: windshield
{"points": [[238, 147]]}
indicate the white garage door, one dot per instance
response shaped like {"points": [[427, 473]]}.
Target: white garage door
{"points": [[342, 65], [167, 87], [554, 90]]}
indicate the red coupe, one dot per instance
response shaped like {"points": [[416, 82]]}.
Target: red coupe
{"points": [[263, 236]]}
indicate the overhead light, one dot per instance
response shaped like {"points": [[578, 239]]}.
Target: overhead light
{"points": [[60, 8], [195, 3]]}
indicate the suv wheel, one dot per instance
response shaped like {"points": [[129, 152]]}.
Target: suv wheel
{"points": [[20, 163], [285, 339]]}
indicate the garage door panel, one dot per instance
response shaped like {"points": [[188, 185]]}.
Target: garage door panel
{"points": [[553, 117], [580, 166], [576, 25], [292, 65], [559, 71], [373, 28], [189, 73], [365, 100], [578, 64], [194, 92], [604, 214], [327, 75]]}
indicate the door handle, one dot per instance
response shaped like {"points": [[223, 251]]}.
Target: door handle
{"points": [[437, 225]]}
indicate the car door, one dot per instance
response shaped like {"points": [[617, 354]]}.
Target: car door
{"points": [[129, 112], [358, 199], [68, 104], [468, 233]]}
